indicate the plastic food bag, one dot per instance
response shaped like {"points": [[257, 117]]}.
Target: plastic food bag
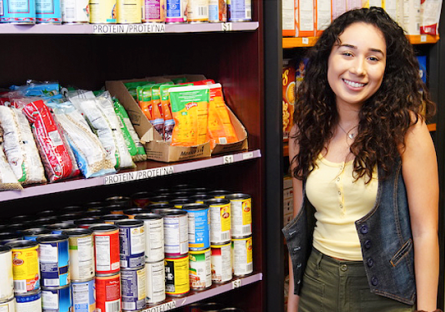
{"points": [[20, 148], [90, 155], [55, 152], [8, 181]]}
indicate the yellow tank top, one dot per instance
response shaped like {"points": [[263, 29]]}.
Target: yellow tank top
{"points": [[339, 201]]}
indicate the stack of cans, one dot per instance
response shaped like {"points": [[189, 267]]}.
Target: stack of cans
{"points": [[7, 301], [82, 269]]}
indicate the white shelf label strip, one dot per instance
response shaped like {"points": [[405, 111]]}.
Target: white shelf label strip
{"points": [[138, 175], [163, 307], [128, 29]]}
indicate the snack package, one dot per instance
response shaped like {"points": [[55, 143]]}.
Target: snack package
{"points": [[54, 151], [158, 117], [132, 86], [91, 157], [144, 100], [8, 181], [190, 112], [430, 16], [20, 148], [134, 145], [38, 88], [220, 127]]}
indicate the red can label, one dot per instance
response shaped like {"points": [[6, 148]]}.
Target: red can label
{"points": [[108, 293], [106, 251]]}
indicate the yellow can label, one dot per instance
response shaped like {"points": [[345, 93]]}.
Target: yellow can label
{"points": [[25, 269], [177, 279]]}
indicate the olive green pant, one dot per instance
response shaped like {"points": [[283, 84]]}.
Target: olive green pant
{"points": [[331, 285]]}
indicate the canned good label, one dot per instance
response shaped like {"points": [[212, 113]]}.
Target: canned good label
{"points": [[75, 11], [241, 217], [107, 252], [25, 267], [197, 11], [199, 229], [48, 11], [28, 303], [175, 11], [217, 11], [155, 281], [108, 293], [200, 270], [220, 226], [6, 277], [176, 235], [242, 256], [56, 299], [84, 296], [221, 263], [8, 306], [129, 11], [154, 240], [133, 289], [153, 11], [132, 246], [54, 263], [103, 11], [239, 10], [177, 279], [19, 12], [81, 257]]}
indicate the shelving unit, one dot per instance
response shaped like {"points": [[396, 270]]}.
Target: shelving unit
{"points": [[85, 56]]}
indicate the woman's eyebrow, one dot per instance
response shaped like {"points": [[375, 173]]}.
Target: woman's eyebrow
{"points": [[351, 46]]}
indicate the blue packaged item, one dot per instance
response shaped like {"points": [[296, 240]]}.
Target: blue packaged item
{"points": [[422, 67]]}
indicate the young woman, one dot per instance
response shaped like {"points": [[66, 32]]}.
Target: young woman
{"points": [[364, 236]]}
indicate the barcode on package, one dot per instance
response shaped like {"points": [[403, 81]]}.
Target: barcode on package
{"points": [[51, 282], [128, 305], [225, 236], [20, 286], [113, 306], [202, 11]]}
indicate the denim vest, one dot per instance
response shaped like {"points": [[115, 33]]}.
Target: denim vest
{"points": [[385, 239]]}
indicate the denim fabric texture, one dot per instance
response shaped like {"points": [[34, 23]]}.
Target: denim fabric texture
{"points": [[385, 239]]}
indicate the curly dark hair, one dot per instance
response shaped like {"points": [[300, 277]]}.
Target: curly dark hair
{"points": [[384, 118]]}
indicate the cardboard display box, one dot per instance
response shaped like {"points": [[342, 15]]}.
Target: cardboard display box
{"points": [[155, 147]]}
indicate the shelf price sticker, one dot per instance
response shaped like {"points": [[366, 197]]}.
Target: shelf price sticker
{"points": [[162, 307], [248, 155], [236, 283], [138, 175], [228, 159], [305, 40], [423, 38], [128, 28], [226, 26]]}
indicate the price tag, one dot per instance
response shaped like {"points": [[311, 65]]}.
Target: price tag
{"points": [[236, 284], [305, 40], [226, 26], [228, 159], [248, 155], [423, 38]]}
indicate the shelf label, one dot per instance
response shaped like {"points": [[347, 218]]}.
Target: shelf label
{"points": [[128, 29], [236, 283], [423, 38], [228, 159], [248, 155], [305, 40], [226, 26], [163, 307], [138, 175]]}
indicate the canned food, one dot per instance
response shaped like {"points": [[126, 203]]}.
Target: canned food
{"points": [[106, 248], [86, 223], [133, 289], [81, 249], [29, 302], [75, 11], [54, 260], [198, 226], [84, 296], [221, 262], [175, 12], [112, 218], [200, 269], [153, 11], [201, 198], [8, 237], [241, 209], [108, 293], [58, 228], [130, 213], [8, 306], [103, 11], [129, 11], [72, 209], [219, 193], [155, 281], [142, 199], [132, 243], [177, 279], [220, 223], [175, 231], [179, 202], [154, 236], [56, 299], [242, 256], [160, 199], [197, 11], [33, 233], [217, 11], [123, 201], [6, 277], [25, 266], [239, 10], [18, 12]]}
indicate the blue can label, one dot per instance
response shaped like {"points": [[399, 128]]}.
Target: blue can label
{"points": [[239, 10], [48, 11], [20, 12], [132, 246], [56, 299], [175, 12], [199, 229], [133, 289], [84, 296], [54, 263]]}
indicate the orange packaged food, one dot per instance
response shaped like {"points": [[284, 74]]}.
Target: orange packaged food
{"points": [[190, 112], [220, 128]]}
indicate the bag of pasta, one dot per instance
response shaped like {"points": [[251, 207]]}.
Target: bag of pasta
{"points": [[190, 112]]}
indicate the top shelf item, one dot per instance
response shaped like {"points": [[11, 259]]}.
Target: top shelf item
{"points": [[304, 42], [99, 29]]}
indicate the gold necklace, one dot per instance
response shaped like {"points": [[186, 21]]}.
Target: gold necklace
{"points": [[350, 135]]}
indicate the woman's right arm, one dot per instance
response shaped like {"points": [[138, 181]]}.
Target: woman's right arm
{"points": [[297, 185]]}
